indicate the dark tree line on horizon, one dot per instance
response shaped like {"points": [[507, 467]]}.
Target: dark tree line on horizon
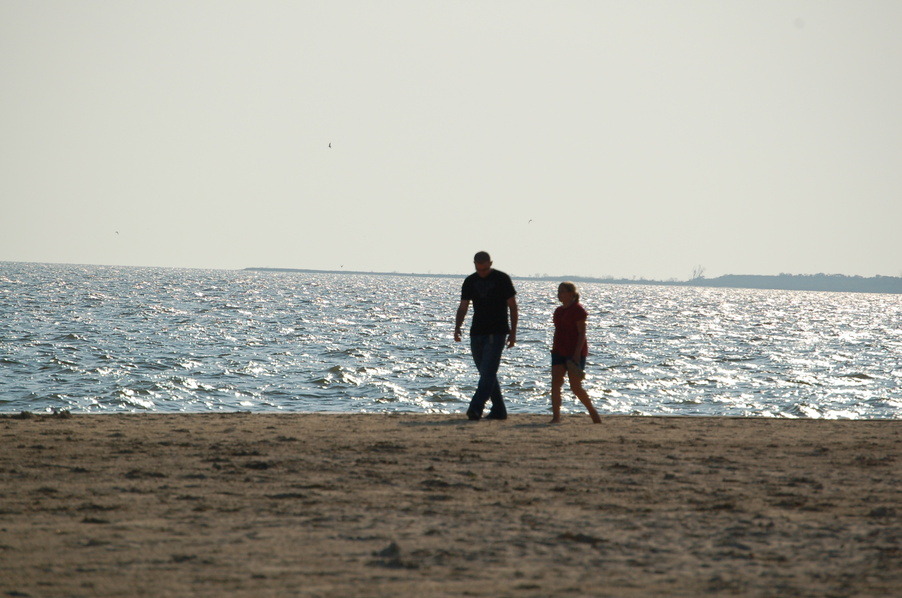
{"points": [[839, 283]]}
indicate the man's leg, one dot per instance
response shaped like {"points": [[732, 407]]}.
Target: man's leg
{"points": [[486, 350], [477, 348], [499, 409]]}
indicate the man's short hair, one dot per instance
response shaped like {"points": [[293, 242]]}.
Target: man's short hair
{"points": [[482, 257]]}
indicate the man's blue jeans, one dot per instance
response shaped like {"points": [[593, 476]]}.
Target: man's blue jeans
{"points": [[486, 349]]}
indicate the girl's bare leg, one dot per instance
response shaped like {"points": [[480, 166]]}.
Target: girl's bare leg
{"points": [[576, 386], [557, 383]]}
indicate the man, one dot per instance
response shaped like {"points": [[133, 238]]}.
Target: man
{"points": [[493, 295]]}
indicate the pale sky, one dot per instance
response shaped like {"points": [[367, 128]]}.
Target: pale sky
{"points": [[589, 138]]}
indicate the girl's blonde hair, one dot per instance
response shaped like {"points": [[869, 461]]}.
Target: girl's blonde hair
{"points": [[571, 288]]}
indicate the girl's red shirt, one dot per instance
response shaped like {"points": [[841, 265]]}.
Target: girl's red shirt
{"points": [[565, 331]]}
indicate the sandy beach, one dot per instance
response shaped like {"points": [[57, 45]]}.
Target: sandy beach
{"points": [[434, 505]]}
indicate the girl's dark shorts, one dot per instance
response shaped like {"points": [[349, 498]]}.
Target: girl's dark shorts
{"points": [[561, 360]]}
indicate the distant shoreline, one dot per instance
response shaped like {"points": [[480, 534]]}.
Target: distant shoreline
{"points": [[836, 283]]}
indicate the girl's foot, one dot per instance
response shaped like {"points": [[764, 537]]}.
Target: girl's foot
{"points": [[555, 420], [596, 419]]}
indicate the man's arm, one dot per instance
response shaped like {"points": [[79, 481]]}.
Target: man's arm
{"points": [[515, 317], [459, 320]]}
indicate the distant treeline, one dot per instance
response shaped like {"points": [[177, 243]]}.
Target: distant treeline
{"points": [[838, 283], [813, 282], [789, 282]]}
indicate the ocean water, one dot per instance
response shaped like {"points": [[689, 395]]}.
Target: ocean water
{"points": [[105, 339]]}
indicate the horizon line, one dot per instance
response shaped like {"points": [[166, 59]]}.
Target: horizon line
{"points": [[543, 276]]}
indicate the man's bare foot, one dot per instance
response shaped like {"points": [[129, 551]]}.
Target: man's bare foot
{"points": [[596, 419], [555, 420]]}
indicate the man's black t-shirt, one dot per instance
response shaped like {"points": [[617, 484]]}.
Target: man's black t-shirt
{"points": [[489, 296]]}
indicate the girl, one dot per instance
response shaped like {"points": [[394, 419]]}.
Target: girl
{"points": [[569, 351]]}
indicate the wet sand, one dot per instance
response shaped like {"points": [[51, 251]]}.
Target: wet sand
{"points": [[428, 505]]}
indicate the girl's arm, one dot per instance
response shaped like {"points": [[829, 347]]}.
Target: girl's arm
{"points": [[580, 340]]}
